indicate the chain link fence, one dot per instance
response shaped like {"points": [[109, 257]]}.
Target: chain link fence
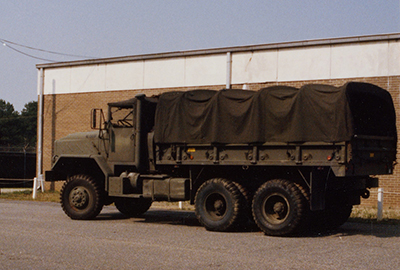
{"points": [[18, 166]]}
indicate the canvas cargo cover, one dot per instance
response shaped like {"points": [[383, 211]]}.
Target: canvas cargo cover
{"points": [[313, 113]]}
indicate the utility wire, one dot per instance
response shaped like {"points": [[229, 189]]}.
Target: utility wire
{"points": [[26, 54], [7, 44], [41, 50]]}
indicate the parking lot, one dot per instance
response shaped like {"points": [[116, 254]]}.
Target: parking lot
{"points": [[38, 235]]}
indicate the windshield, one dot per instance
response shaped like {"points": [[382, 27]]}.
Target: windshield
{"points": [[122, 117]]}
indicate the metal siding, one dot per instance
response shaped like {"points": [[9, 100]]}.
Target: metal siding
{"points": [[301, 64], [325, 61], [254, 67], [205, 70], [57, 81], [126, 75], [394, 58], [164, 73], [88, 78], [360, 60]]}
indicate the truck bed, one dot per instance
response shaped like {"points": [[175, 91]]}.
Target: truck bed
{"points": [[361, 156]]}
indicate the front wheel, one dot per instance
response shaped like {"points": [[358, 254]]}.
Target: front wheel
{"points": [[81, 197], [279, 207]]}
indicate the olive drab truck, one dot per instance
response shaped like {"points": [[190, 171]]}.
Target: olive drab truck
{"points": [[287, 159]]}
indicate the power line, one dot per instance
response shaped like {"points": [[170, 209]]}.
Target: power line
{"points": [[26, 54], [7, 44], [47, 51]]}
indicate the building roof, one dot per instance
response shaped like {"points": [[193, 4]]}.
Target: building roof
{"points": [[247, 48]]}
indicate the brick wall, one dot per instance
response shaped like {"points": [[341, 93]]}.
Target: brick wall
{"points": [[69, 113]]}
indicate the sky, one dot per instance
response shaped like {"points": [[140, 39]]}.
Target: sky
{"points": [[82, 29]]}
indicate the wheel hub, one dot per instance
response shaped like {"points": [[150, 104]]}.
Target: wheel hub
{"points": [[218, 205], [79, 197], [276, 209], [215, 206], [279, 209]]}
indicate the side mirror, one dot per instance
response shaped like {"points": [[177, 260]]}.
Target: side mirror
{"points": [[96, 119]]}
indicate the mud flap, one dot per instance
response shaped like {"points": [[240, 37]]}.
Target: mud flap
{"points": [[319, 181]]}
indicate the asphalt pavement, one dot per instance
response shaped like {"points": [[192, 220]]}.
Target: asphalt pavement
{"points": [[38, 235]]}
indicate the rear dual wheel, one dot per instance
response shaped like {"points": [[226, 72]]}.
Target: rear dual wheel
{"points": [[279, 208], [220, 204]]}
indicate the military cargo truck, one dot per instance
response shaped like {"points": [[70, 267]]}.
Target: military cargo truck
{"points": [[288, 159]]}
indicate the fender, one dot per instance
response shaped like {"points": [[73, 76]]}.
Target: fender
{"points": [[68, 165]]}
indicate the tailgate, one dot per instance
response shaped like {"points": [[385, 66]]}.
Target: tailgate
{"points": [[371, 155]]}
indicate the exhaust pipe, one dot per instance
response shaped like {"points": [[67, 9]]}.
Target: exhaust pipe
{"points": [[138, 136]]}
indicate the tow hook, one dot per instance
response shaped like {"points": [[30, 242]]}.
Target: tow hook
{"points": [[365, 194]]}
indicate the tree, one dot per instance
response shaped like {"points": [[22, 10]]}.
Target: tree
{"points": [[7, 109], [29, 123], [18, 129], [8, 127]]}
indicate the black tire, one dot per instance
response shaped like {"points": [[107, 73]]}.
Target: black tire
{"points": [[305, 225], [339, 215], [133, 207], [218, 205], [81, 197], [246, 199], [333, 216], [279, 208], [245, 213]]}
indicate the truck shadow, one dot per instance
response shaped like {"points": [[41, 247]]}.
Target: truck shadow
{"points": [[161, 216], [171, 217], [354, 228], [372, 229], [188, 218]]}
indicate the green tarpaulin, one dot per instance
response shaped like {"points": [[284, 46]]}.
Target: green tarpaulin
{"points": [[313, 113]]}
